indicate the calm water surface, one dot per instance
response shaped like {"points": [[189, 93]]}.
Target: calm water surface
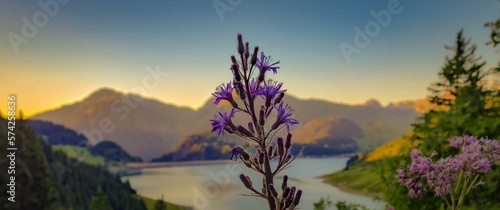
{"points": [[218, 187]]}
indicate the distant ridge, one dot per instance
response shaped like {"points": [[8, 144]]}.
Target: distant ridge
{"points": [[149, 128]]}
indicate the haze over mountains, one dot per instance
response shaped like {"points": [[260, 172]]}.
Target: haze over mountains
{"points": [[149, 128]]}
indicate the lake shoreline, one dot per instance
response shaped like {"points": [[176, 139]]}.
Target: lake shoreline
{"points": [[212, 162], [187, 186], [345, 188]]}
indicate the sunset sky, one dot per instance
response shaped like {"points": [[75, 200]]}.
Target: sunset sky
{"points": [[86, 45]]}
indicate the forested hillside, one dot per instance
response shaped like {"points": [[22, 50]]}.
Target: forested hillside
{"points": [[47, 180]]}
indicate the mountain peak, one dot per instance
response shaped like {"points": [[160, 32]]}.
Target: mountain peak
{"points": [[373, 103], [104, 92]]}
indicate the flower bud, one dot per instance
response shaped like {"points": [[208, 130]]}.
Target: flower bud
{"points": [[228, 129], [253, 60], [286, 192], [292, 192], [270, 150], [236, 72], [246, 181], [250, 127], [246, 54], [288, 142], [243, 130], [242, 91], [284, 184], [233, 103], [289, 200], [245, 156], [278, 99], [247, 164], [233, 59], [261, 76], [262, 119], [241, 48], [268, 101], [281, 148], [275, 125], [297, 198]]}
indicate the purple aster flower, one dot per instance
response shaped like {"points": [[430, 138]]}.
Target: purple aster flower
{"points": [[235, 152], [224, 92], [253, 86], [222, 121], [269, 91], [264, 63], [284, 114]]}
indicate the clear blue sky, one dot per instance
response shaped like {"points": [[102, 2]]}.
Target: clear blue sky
{"points": [[92, 44]]}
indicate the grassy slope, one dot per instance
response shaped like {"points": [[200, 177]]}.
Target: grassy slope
{"points": [[80, 153], [150, 204], [360, 179], [393, 148]]}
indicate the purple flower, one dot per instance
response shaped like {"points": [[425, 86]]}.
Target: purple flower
{"points": [[269, 91], [224, 92], [419, 163], [414, 185], [284, 114], [253, 86], [390, 208], [235, 152], [444, 174], [264, 64], [475, 157], [492, 149], [222, 121]]}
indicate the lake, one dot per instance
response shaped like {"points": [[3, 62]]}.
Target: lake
{"points": [[218, 187]]}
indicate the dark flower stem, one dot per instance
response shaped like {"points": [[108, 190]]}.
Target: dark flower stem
{"points": [[267, 165]]}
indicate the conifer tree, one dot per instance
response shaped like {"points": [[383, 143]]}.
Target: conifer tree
{"points": [[99, 201], [459, 98], [34, 188], [160, 204]]}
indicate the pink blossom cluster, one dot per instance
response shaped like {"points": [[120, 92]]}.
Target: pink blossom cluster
{"points": [[476, 157]]}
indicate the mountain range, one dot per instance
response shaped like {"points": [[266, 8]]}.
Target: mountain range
{"points": [[149, 128]]}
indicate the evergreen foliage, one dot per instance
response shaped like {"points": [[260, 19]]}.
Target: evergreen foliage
{"points": [[160, 204], [465, 103], [51, 180], [99, 201]]}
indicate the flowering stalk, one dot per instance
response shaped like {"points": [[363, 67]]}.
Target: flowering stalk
{"points": [[262, 128], [451, 178]]}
